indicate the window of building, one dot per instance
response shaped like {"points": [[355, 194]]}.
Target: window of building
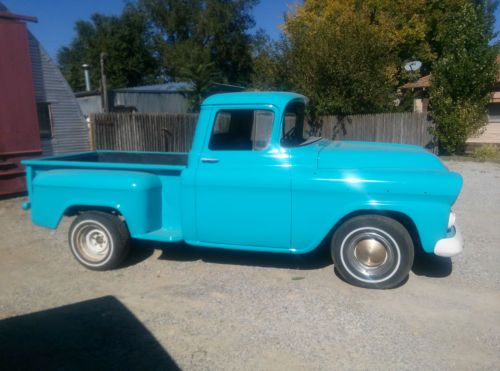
{"points": [[494, 112], [44, 119], [241, 130]]}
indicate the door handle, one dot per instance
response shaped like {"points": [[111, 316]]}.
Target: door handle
{"points": [[209, 160]]}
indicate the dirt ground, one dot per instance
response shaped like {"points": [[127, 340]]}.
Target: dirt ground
{"points": [[200, 309]]}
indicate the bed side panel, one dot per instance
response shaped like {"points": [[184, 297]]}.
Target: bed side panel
{"points": [[135, 195]]}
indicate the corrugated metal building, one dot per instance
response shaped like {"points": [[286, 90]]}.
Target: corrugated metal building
{"points": [[54, 97], [57, 124], [171, 97]]}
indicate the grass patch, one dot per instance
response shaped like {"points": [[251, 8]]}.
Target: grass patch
{"points": [[466, 158], [486, 152]]}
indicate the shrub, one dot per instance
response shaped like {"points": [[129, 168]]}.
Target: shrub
{"points": [[463, 76]]}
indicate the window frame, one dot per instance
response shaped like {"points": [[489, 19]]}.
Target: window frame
{"points": [[43, 133], [283, 123], [252, 108]]}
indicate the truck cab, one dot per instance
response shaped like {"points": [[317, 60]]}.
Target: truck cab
{"points": [[256, 180]]}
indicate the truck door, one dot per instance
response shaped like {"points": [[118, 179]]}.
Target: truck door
{"points": [[243, 183]]}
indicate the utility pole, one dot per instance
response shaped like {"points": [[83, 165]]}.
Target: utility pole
{"points": [[104, 87], [86, 76]]}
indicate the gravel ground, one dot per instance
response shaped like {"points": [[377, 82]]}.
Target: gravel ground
{"points": [[208, 309]]}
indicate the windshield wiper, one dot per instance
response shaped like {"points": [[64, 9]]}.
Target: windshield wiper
{"points": [[310, 140]]}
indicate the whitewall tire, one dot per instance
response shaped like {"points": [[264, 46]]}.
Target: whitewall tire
{"points": [[98, 240], [372, 251]]}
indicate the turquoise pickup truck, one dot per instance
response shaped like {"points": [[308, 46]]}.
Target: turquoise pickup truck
{"points": [[254, 180]]}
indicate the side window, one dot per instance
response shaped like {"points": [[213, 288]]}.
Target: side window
{"points": [[262, 128], [241, 130], [44, 119]]}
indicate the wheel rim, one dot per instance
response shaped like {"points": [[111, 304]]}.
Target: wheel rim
{"points": [[92, 242], [370, 255]]}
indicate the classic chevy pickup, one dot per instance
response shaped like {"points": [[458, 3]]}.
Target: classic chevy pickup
{"points": [[254, 180]]}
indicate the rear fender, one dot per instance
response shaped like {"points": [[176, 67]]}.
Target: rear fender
{"points": [[134, 195]]}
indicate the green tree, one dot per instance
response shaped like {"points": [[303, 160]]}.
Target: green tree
{"points": [[127, 42], [190, 63], [270, 68], [344, 55], [347, 56], [203, 41], [463, 74]]}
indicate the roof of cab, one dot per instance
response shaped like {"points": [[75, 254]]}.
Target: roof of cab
{"points": [[277, 98]]}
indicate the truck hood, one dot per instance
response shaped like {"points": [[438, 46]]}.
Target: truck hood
{"points": [[372, 155]]}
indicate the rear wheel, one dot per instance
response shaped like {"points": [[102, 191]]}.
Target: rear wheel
{"points": [[372, 251], [99, 241]]}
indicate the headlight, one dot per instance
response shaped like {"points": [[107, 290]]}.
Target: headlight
{"points": [[451, 220]]}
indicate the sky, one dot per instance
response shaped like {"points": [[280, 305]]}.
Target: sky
{"points": [[56, 18]]}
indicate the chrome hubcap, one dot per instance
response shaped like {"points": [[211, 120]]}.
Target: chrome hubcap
{"points": [[370, 252], [92, 243]]}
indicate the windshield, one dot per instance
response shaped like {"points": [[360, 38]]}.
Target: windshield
{"points": [[294, 131]]}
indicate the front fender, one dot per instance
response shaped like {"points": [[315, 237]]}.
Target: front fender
{"points": [[430, 226], [135, 195], [323, 200]]}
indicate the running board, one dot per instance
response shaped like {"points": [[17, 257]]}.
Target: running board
{"points": [[163, 235]]}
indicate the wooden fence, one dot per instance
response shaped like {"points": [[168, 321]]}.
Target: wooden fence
{"points": [[405, 127], [157, 132], [174, 132]]}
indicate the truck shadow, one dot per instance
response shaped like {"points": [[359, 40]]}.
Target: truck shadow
{"points": [[185, 253], [430, 265], [97, 334], [424, 264]]}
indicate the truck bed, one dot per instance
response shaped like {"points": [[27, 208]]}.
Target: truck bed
{"points": [[109, 178], [116, 159]]}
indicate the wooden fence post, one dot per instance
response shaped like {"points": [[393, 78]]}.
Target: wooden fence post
{"points": [[91, 125]]}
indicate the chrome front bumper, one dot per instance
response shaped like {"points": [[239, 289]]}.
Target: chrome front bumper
{"points": [[452, 245]]}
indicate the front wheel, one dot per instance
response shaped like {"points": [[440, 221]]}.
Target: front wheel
{"points": [[372, 251], [99, 241]]}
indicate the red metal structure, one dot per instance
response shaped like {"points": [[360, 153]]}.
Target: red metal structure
{"points": [[19, 130]]}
